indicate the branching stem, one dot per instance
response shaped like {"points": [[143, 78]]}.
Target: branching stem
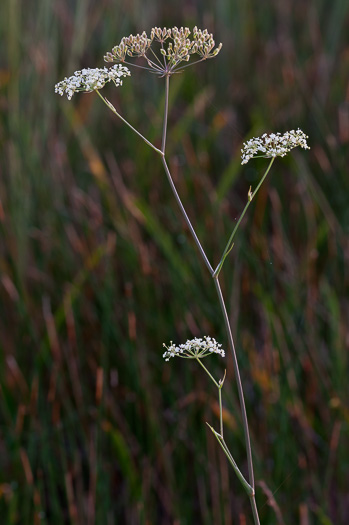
{"points": [[224, 312], [225, 316], [250, 485]]}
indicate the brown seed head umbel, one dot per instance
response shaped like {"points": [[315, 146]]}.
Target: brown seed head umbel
{"points": [[166, 49]]}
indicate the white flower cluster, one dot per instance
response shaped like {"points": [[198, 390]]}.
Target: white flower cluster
{"points": [[88, 80], [273, 145], [194, 348]]}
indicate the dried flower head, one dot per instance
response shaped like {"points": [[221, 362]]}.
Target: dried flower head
{"points": [[273, 145], [88, 80], [194, 349], [166, 48]]}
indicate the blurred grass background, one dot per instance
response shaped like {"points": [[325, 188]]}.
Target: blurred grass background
{"points": [[97, 269]]}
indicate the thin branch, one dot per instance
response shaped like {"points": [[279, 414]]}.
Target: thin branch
{"points": [[220, 410], [208, 373], [232, 461], [155, 55], [137, 65], [229, 243], [163, 56], [155, 66], [111, 107], [190, 64]]}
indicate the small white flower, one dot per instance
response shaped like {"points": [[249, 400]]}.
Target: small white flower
{"points": [[88, 80], [273, 145], [194, 348]]}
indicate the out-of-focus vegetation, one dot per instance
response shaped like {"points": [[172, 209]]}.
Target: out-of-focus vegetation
{"points": [[97, 269]]}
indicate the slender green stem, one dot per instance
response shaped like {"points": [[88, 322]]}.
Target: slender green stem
{"points": [[164, 126], [214, 274], [241, 477], [226, 322], [208, 373], [238, 383], [221, 383], [232, 461], [219, 386], [220, 410], [173, 188], [250, 490], [111, 107], [229, 243], [254, 509]]}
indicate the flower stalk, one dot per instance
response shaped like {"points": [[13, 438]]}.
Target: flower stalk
{"points": [[112, 108], [230, 243], [173, 47]]}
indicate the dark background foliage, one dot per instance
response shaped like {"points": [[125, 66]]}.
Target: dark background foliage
{"points": [[97, 269]]}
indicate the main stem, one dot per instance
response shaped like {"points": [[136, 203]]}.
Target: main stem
{"points": [[173, 187], [186, 218], [164, 126], [224, 312], [238, 383], [214, 275]]}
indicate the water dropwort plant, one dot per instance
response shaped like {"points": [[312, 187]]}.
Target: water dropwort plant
{"points": [[165, 52]]}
